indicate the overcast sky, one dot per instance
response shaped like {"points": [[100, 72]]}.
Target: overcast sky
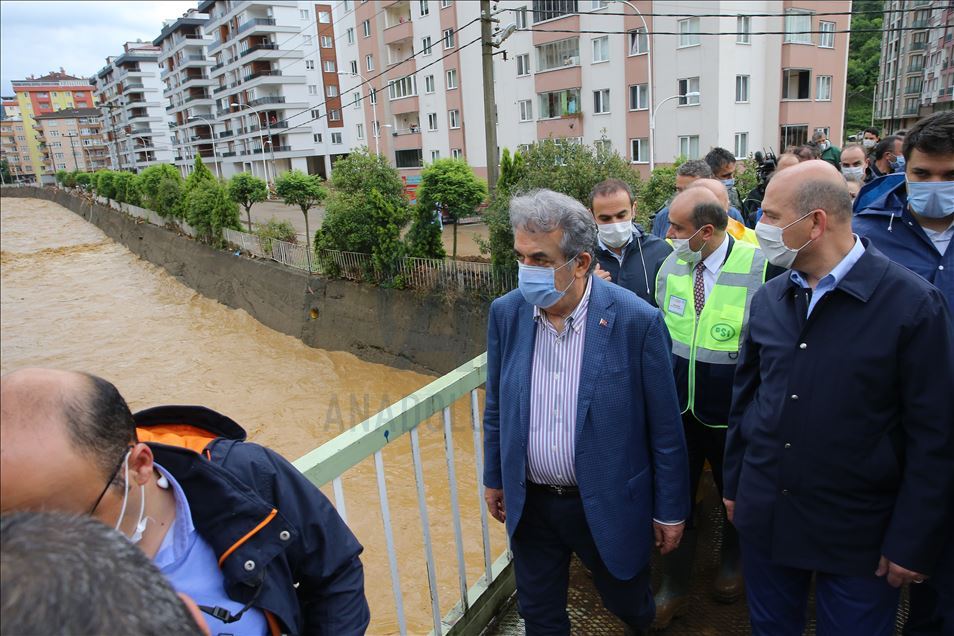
{"points": [[39, 37]]}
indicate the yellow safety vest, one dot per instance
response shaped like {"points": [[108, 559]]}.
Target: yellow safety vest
{"points": [[741, 233]]}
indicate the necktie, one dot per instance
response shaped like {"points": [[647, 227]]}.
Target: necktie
{"points": [[699, 288]]}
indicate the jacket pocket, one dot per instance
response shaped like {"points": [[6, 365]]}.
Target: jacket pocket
{"points": [[638, 486]]}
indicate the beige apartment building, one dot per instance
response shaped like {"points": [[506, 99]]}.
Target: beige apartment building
{"points": [[15, 149], [71, 140]]}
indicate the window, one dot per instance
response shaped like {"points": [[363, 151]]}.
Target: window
{"points": [[638, 42], [601, 49], [309, 65], [326, 42], [452, 79], [603, 146], [601, 101], [328, 66], [58, 155], [376, 128], [428, 83], [639, 150], [359, 131], [432, 121], [796, 83], [331, 90], [312, 89], [741, 89], [404, 87], [796, 135], [303, 13], [336, 137], [448, 38], [366, 28], [826, 38], [741, 145], [324, 17], [349, 35], [423, 8], [334, 115], [689, 146], [686, 86], [549, 9], [445, 4], [824, 129], [559, 103], [356, 100], [457, 153], [426, 46], [797, 25], [354, 67], [558, 54], [435, 155], [373, 98], [306, 40], [743, 30], [369, 62], [523, 64], [639, 97], [315, 113], [823, 88], [453, 119], [521, 15], [689, 32], [526, 109]]}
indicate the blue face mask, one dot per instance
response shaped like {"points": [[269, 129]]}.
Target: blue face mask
{"points": [[931, 199], [537, 284], [728, 183], [898, 164]]}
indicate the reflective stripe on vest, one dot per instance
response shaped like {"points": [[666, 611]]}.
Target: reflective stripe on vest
{"points": [[716, 337]]}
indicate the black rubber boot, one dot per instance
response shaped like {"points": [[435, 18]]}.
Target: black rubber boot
{"points": [[672, 599], [727, 587]]}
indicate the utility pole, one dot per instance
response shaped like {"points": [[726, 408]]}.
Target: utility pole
{"points": [[490, 119], [72, 136]]}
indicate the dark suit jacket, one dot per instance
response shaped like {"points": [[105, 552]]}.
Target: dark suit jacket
{"points": [[841, 435], [630, 462]]}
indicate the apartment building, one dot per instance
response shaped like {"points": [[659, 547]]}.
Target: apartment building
{"points": [[15, 150], [129, 94], [916, 76], [578, 70], [187, 90], [10, 108], [41, 95], [71, 140], [274, 86]]}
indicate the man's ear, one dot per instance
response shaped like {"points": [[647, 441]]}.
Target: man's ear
{"points": [[583, 264], [141, 463]]}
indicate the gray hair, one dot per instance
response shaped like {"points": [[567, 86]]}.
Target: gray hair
{"points": [[823, 194], [695, 168], [818, 134], [545, 211], [73, 575]]}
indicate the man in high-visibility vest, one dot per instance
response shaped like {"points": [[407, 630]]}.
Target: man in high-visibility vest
{"points": [[704, 289]]}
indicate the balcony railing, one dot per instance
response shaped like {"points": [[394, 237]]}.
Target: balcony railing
{"points": [[249, 78], [271, 99], [245, 26], [258, 151], [918, 46], [259, 47]]}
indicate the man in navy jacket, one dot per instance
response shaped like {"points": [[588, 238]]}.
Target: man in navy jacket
{"points": [[840, 452]]}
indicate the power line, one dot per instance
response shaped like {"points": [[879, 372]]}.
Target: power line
{"points": [[735, 33], [599, 12]]}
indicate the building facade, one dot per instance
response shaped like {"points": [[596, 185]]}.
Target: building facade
{"points": [[129, 94], [916, 76], [15, 150], [578, 70], [42, 95], [72, 139]]}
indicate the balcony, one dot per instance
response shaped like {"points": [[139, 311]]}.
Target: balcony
{"points": [[399, 32], [397, 14], [258, 47], [921, 23], [271, 99], [918, 46]]}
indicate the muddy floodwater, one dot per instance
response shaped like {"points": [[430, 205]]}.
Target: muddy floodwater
{"points": [[71, 298]]}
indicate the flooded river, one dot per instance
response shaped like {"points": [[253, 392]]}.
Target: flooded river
{"points": [[73, 299]]}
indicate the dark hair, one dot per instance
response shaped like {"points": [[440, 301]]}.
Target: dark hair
{"points": [[825, 195], [874, 131], [709, 213], [718, 158], [694, 168], [884, 146], [64, 574], [100, 423], [608, 187], [810, 149], [933, 135]]}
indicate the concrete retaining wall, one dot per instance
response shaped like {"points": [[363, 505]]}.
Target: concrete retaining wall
{"points": [[401, 328]]}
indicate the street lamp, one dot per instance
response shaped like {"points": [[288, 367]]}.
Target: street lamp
{"points": [[374, 110], [652, 116], [218, 168], [260, 138], [649, 84]]}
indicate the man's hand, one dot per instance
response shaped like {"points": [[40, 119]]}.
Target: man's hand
{"points": [[668, 537], [495, 503], [602, 273], [729, 509], [897, 575]]}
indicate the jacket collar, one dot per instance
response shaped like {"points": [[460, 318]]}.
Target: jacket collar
{"points": [[195, 416], [861, 280]]}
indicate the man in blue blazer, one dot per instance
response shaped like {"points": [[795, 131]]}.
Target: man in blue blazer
{"points": [[583, 438]]}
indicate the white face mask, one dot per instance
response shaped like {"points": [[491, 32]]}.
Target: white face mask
{"points": [[868, 143], [616, 234], [773, 245], [141, 522], [684, 252], [853, 173]]}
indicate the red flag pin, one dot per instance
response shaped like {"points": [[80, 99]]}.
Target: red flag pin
{"points": [[603, 322]]}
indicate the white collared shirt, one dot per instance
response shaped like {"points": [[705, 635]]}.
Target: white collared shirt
{"points": [[713, 265]]}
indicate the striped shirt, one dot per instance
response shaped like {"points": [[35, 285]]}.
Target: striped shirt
{"points": [[554, 386]]}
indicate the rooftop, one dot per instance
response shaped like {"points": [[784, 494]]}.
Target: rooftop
{"points": [[71, 113]]}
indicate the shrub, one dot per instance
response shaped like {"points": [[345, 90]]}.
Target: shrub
{"points": [[276, 230], [60, 176], [209, 210], [105, 183], [84, 180], [155, 196], [69, 180], [126, 186]]}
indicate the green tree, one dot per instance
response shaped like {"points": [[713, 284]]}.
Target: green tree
{"points": [[658, 190], [149, 184], [449, 185], [210, 209], [246, 189], [84, 180], [304, 190], [126, 187], [864, 59], [70, 180], [5, 176], [104, 183], [362, 172], [169, 203], [60, 176], [200, 175]]}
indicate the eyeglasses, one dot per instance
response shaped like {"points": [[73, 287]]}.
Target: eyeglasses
{"points": [[109, 481]]}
